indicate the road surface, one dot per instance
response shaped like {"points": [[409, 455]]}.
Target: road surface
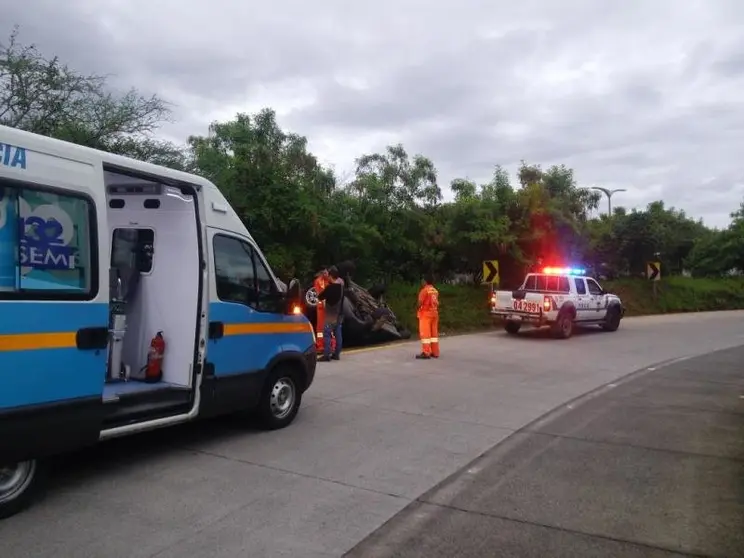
{"points": [[376, 431], [647, 467]]}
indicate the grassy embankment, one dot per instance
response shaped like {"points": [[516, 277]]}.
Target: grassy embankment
{"points": [[464, 308]]}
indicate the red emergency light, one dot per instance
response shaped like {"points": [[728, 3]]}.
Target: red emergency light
{"points": [[563, 271]]}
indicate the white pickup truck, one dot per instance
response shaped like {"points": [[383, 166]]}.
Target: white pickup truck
{"points": [[560, 298]]}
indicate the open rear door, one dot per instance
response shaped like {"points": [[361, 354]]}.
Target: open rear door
{"points": [[53, 319]]}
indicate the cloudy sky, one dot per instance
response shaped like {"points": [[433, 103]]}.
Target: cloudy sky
{"points": [[639, 94]]}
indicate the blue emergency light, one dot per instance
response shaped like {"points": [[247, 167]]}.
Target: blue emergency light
{"points": [[564, 271]]}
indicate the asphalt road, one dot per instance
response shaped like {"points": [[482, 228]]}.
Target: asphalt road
{"points": [[649, 467], [377, 430]]}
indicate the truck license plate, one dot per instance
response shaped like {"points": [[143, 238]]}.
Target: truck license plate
{"points": [[515, 318]]}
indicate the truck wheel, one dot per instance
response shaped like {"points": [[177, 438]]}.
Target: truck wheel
{"points": [[563, 327], [20, 483], [512, 327], [612, 320], [281, 398]]}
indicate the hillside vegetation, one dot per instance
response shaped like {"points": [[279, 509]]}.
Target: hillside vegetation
{"points": [[464, 307]]}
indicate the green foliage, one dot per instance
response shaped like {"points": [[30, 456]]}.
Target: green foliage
{"points": [[274, 184], [390, 218], [717, 252], [464, 308], [45, 96]]}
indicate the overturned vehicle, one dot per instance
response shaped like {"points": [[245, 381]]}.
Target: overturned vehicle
{"points": [[368, 320]]}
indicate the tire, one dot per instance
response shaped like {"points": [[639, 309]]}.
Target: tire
{"points": [[281, 398], [512, 327], [311, 297], [20, 484], [612, 320], [563, 327]]}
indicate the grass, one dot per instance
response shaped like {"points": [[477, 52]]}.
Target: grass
{"points": [[464, 308]]}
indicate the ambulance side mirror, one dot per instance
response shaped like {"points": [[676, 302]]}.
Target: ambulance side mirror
{"points": [[294, 298]]}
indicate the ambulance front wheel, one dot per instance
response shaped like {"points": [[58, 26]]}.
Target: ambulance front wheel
{"points": [[20, 483], [280, 399]]}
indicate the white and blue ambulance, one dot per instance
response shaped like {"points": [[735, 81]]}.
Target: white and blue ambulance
{"points": [[132, 297]]}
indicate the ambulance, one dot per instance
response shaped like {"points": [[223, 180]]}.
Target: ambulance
{"points": [[132, 297]]}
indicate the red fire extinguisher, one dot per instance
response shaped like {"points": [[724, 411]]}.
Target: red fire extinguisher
{"points": [[154, 366]]}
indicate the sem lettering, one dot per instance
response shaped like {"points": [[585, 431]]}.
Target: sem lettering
{"points": [[42, 246], [12, 156]]}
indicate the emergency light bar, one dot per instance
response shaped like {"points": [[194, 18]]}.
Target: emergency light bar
{"points": [[563, 271]]}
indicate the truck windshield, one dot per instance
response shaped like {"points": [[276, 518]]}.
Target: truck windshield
{"points": [[547, 283]]}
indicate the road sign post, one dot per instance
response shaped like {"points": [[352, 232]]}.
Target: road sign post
{"points": [[491, 271]]}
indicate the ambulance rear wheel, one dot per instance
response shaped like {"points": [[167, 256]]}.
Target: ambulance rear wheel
{"points": [[20, 483], [280, 399], [512, 327]]}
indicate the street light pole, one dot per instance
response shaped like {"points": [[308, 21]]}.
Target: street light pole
{"points": [[608, 193]]}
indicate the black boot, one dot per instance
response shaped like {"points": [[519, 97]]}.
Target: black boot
{"points": [[423, 356]]}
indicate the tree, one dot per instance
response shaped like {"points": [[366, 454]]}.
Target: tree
{"points": [[623, 243], [45, 96], [719, 252], [478, 225], [279, 190], [397, 181], [397, 195], [552, 214]]}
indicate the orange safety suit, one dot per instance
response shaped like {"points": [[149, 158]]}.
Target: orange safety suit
{"points": [[428, 319], [320, 283]]}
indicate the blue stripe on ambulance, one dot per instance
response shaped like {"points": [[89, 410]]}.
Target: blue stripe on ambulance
{"points": [[46, 375], [252, 352]]}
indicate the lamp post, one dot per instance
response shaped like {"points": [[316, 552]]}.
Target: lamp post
{"points": [[608, 193]]}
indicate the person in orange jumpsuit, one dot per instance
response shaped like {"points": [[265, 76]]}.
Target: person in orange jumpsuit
{"points": [[428, 319], [322, 280]]}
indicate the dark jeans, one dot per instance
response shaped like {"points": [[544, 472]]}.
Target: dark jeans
{"points": [[336, 329]]}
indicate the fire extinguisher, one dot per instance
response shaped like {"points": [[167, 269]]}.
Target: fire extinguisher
{"points": [[154, 366]]}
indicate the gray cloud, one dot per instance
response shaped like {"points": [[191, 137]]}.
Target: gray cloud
{"points": [[638, 95]]}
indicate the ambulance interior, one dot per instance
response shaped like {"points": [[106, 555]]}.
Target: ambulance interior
{"points": [[155, 271]]}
